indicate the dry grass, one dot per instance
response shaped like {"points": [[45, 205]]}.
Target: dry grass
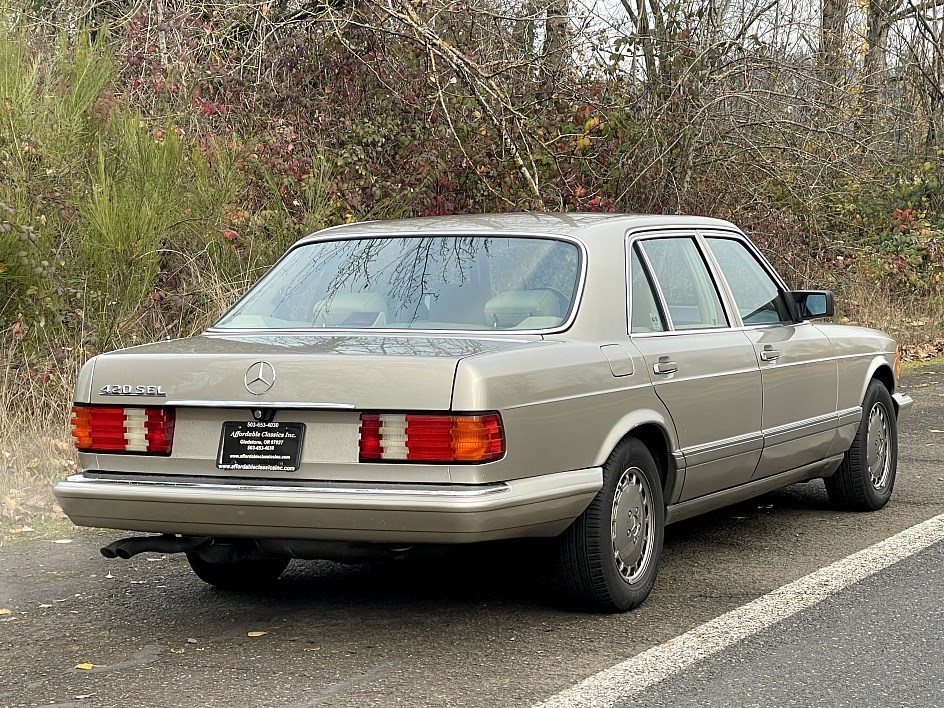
{"points": [[35, 447], [916, 320]]}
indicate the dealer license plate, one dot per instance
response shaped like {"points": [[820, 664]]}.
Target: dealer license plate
{"points": [[256, 445]]}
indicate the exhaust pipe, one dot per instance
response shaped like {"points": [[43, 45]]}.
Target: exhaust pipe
{"points": [[165, 543]]}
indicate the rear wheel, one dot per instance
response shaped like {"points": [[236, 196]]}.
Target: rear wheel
{"points": [[866, 477], [238, 575], [609, 556]]}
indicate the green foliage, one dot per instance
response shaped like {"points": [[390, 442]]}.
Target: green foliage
{"points": [[136, 197], [892, 223]]}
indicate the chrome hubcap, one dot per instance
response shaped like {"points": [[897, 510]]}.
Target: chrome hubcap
{"points": [[877, 446], [631, 524]]}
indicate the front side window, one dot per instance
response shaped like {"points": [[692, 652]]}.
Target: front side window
{"points": [[758, 298], [686, 285], [413, 282]]}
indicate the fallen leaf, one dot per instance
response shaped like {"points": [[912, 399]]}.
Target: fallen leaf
{"points": [[63, 540], [45, 605], [5, 611], [21, 529], [86, 666], [82, 696], [256, 634], [191, 640], [178, 651]]}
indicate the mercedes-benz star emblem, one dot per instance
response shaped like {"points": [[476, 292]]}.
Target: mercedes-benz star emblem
{"points": [[259, 378]]}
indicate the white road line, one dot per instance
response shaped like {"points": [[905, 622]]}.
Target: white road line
{"points": [[625, 680]]}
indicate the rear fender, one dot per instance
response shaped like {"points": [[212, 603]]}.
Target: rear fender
{"points": [[634, 420]]}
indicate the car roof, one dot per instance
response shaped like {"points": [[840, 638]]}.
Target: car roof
{"points": [[576, 224]]}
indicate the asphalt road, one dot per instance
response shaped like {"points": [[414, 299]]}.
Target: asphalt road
{"points": [[482, 627], [876, 644]]}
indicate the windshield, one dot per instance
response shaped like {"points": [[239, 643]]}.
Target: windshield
{"points": [[446, 282]]}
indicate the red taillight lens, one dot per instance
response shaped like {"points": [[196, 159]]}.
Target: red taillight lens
{"points": [[113, 429], [431, 438]]}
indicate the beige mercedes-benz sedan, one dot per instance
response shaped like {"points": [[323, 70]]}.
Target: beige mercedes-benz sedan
{"points": [[400, 385]]}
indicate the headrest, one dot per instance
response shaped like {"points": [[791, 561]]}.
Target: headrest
{"points": [[511, 307], [351, 310]]}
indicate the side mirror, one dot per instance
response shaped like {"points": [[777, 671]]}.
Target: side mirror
{"points": [[812, 304]]}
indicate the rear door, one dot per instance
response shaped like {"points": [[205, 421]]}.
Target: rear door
{"points": [[703, 370], [798, 369]]}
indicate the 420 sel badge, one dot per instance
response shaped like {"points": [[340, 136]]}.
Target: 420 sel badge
{"points": [[128, 390]]}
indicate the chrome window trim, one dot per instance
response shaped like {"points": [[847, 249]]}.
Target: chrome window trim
{"points": [[747, 328], [632, 238], [563, 327]]}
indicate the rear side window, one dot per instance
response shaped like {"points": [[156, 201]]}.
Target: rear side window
{"points": [[758, 298], [645, 315], [686, 285]]}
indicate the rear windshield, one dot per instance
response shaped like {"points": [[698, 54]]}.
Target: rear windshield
{"points": [[439, 283]]}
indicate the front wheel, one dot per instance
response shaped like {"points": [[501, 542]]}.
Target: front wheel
{"points": [[609, 556], [866, 477], [238, 575]]}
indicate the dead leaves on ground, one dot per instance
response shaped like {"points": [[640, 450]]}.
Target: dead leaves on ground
{"points": [[925, 351]]}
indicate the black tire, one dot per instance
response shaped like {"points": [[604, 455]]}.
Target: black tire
{"points": [[238, 575], [865, 480], [592, 567]]}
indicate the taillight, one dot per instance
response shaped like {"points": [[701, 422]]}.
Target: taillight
{"points": [[431, 438], [114, 429]]}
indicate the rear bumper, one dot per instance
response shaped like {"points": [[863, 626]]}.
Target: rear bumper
{"points": [[383, 513]]}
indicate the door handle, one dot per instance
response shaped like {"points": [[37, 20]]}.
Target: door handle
{"points": [[769, 354], [665, 366]]}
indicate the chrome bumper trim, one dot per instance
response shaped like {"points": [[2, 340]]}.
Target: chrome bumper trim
{"points": [[455, 491], [904, 403]]}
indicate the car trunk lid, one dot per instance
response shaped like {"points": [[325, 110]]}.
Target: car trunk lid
{"points": [[348, 372]]}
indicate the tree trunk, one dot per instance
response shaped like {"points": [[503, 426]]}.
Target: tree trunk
{"points": [[832, 42], [558, 61], [875, 66]]}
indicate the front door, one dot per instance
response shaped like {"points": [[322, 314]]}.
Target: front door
{"points": [[800, 378]]}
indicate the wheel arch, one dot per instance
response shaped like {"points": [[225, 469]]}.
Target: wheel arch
{"points": [[657, 435], [881, 371]]}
